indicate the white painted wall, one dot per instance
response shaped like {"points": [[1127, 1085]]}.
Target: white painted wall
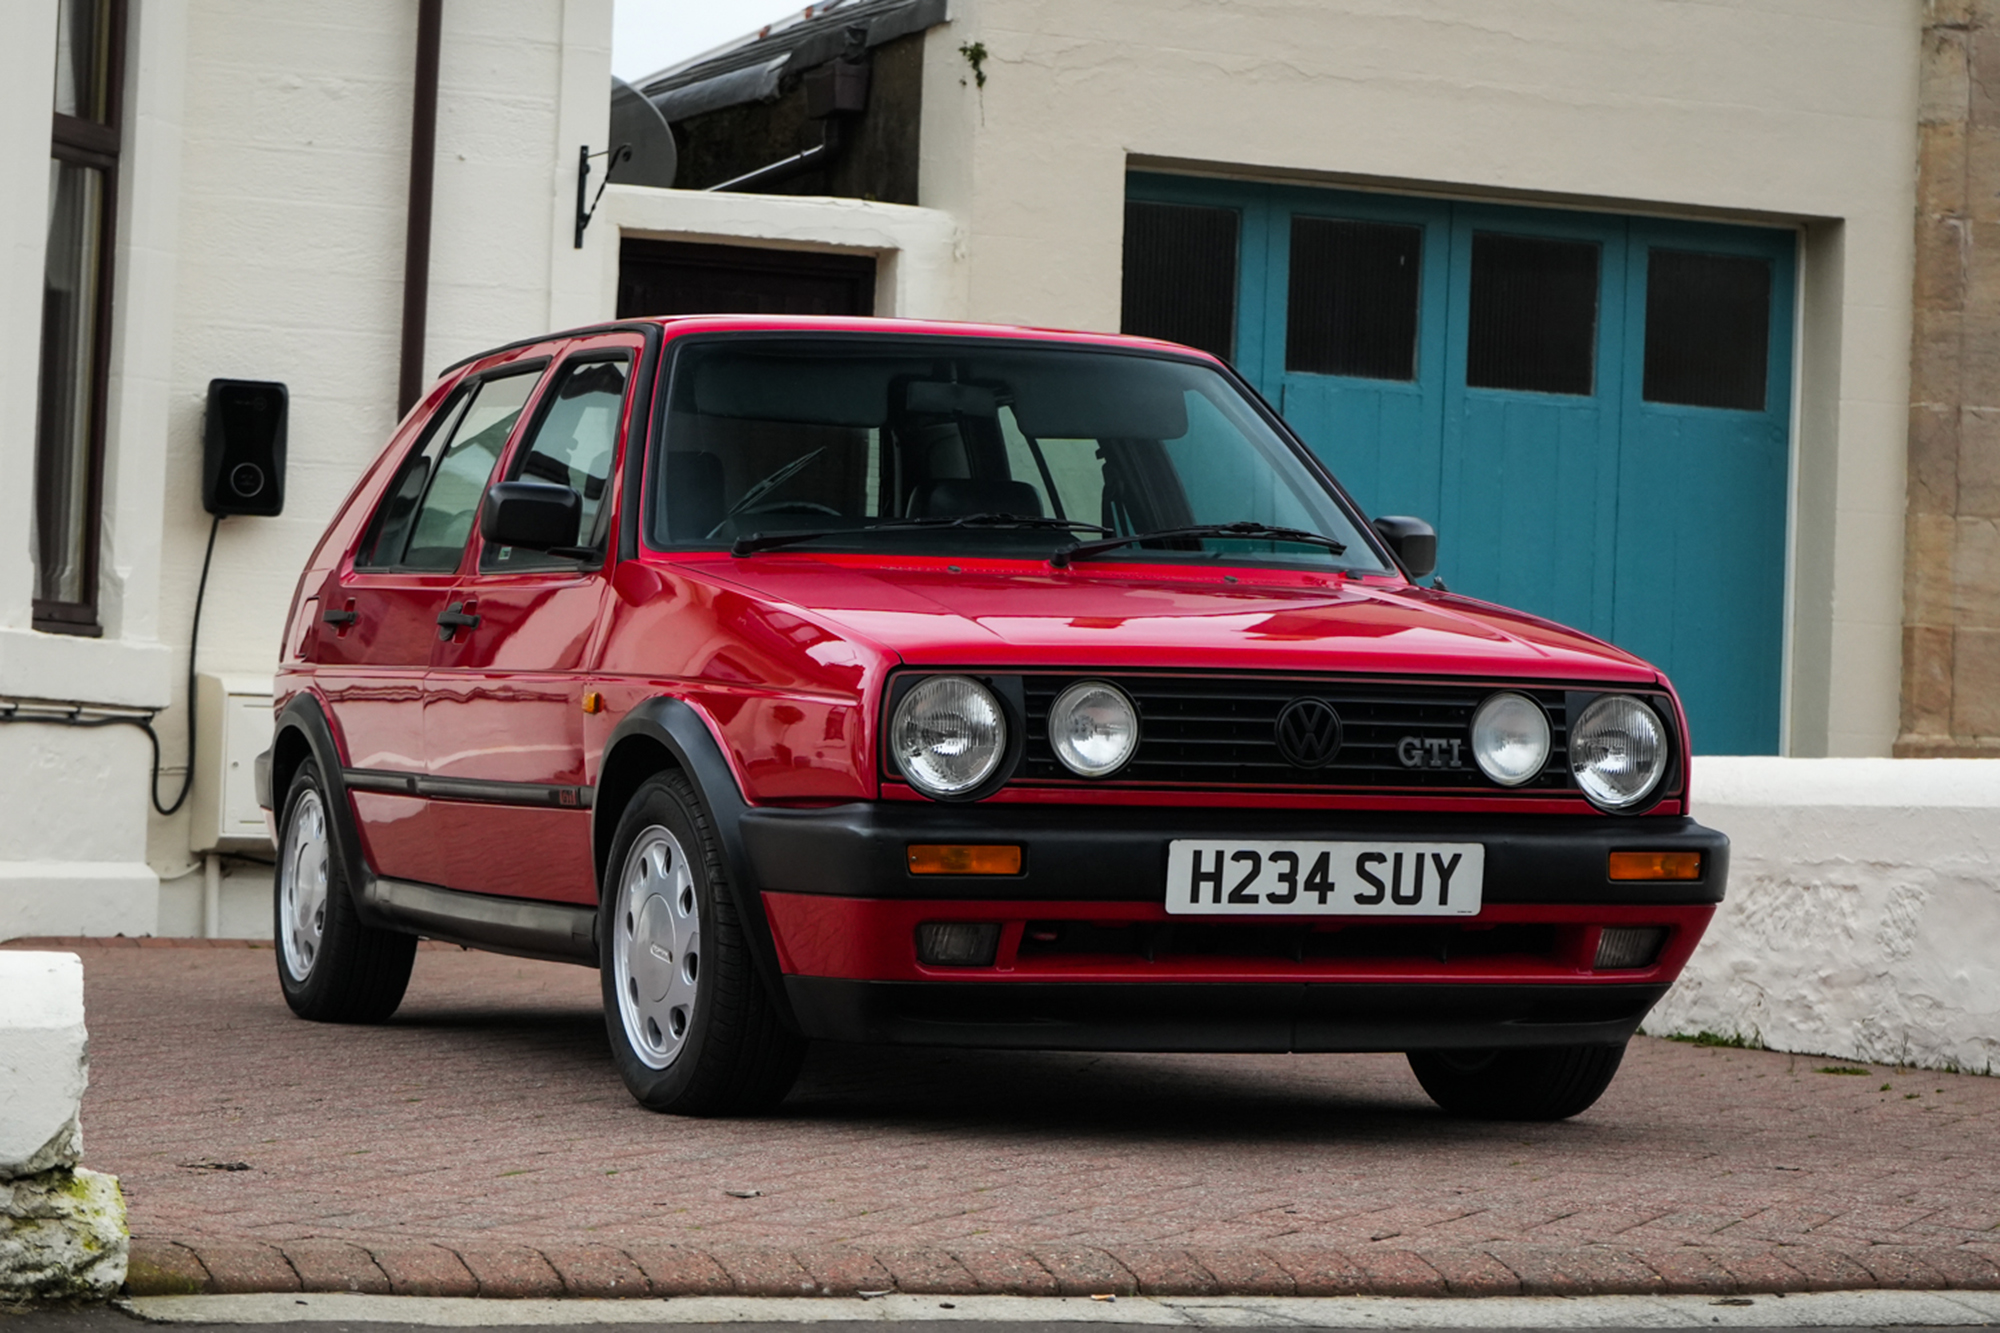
{"points": [[919, 252], [1863, 910], [261, 236], [73, 807], [1757, 110]]}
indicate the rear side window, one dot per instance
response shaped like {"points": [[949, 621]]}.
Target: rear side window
{"points": [[429, 511]]}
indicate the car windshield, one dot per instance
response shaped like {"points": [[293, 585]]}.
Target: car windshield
{"points": [[868, 444]]}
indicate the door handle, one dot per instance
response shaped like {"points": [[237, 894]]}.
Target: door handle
{"points": [[455, 618], [341, 617]]}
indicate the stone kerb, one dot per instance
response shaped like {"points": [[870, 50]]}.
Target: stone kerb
{"points": [[1864, 899], [62, 1226]]}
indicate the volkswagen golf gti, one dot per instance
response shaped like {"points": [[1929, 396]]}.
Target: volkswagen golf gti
{"points": [[885, 681]]}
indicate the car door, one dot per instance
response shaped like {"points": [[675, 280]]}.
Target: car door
{"points": [[381, 617], [503, 712]]}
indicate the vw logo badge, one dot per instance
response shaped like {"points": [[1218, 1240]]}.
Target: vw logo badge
{"points": [[1309, 733]]}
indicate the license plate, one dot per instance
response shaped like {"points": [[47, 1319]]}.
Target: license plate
{"points": [[1235, 878]]}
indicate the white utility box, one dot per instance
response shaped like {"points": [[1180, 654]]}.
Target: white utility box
{"points": [[233, 714]]}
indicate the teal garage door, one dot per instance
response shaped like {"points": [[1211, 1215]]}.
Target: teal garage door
{"points": [[1593, 409]]}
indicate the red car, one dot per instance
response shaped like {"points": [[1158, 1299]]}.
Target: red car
{"points": [[886, 681]]}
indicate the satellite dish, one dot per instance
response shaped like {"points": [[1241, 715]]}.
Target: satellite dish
{"points": [[637, 122]]}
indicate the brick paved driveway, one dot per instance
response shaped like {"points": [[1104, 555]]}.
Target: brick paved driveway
{"points": [[482, 1143]]}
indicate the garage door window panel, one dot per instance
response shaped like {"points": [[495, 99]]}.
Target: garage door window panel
{"points": [[1708, 329], [1532, 324], [1180, 274], [1352, 303]]}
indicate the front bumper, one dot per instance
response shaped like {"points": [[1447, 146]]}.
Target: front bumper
{"points": [[1089, 959]]}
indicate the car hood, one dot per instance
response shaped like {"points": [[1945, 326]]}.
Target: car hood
{"points": [[986, 614]]}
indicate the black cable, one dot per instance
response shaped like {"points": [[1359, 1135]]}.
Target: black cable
{"points": [[194, 639], [145, 724]]}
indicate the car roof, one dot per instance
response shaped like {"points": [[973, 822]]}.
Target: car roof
{"points": [[676, 325]]}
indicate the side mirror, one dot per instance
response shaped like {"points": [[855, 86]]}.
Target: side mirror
{"points": [[1414, 541], [536, 515]]}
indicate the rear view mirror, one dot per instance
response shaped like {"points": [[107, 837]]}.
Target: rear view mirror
{"points": [[943, 398], [535, 515], [1414, 541]]}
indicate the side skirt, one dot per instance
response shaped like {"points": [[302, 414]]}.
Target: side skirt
{"points": [[558, 932]]}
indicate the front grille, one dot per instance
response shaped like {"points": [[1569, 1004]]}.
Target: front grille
{"points": [[1221, 731]]}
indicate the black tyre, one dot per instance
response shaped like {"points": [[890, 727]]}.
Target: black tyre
{"points": [[692, 1030], [1535, 1083], [332, 968]]}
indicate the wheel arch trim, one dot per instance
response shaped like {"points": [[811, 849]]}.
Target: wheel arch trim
{"points": [[666, 732], [303, 721]]}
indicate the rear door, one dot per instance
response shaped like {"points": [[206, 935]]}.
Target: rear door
{"points": [[503, 713]]}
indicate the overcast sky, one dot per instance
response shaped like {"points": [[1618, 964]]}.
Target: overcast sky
{"points": [[649, 35]]}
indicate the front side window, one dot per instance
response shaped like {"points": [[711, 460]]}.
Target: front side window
{"points": [[977, 448], [430, 508], [573, 445], [76, 306]]}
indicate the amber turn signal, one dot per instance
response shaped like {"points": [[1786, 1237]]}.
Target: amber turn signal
{"points": [[1655, 865], [963, 859]]}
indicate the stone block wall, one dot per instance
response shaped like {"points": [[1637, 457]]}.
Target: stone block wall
{"points": [[1951, 577]]}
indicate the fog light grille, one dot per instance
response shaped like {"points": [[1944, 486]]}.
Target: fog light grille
{"points": [[957, 943], [1628, 946]]}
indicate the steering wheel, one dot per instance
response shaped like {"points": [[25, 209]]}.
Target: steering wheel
{"points": [[790, 507]]}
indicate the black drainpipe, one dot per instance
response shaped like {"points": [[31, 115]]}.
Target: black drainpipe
{"points": [[417, 241]]}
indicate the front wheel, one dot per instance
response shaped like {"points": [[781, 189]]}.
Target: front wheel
{"points": [[332, 968], [1532, 1083], [692, 1030]]}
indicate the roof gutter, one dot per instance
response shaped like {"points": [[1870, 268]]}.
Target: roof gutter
{"points": [[417, 238]]}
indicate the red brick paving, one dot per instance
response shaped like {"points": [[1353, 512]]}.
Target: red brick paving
{"points": [[482, 1144]]}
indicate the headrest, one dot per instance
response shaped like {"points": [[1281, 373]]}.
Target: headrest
{"points": [[693, 485], [955, 497]]}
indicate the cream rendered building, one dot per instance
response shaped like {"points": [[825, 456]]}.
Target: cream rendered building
{"points": [[263, 170]]}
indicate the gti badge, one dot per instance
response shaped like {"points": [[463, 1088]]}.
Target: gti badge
{"points": [[1309, 733], [1429, 752]]}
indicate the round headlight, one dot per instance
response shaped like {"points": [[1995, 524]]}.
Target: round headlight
{"points": [[1510, 738], [948, 735], [1618, 751], [1093, 728]]}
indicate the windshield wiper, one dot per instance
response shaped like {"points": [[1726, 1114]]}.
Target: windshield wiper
{"points": [[765, 541], [1246, 530], [774, 481]]}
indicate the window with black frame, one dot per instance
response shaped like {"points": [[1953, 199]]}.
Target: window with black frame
{"points": [[76, 310]]}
